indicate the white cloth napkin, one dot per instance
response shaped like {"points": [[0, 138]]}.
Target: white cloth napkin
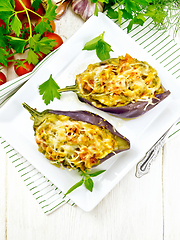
{"points": [[163, 48]]}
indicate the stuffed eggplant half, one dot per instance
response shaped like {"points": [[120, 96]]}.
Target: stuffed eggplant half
{"points": [[76, 139], [122, 86]]}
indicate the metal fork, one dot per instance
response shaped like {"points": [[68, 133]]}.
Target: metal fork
{"points": [[144, 165]]}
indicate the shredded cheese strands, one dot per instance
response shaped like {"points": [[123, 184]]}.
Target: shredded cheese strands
{"points": [[119, 83], [73, 143]]}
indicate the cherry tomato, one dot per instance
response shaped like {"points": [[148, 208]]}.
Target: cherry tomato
{"points": [[19, 6], [24, 68], [55, 37], [40, 11], [20, 16], [3, 78], [9, 58], [12, 34], [2, 23], [40, 56]]}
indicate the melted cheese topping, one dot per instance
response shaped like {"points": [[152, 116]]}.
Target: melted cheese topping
{"points": [[118, 82], [74, 144]]}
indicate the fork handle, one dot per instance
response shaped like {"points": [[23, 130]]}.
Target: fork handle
{"points": [[144, 165]]}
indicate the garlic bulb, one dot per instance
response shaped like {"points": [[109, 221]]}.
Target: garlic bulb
{"points": [[85, 8]]}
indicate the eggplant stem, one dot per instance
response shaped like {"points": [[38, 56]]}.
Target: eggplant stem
{"points": [[32, 111], [73, 88]]}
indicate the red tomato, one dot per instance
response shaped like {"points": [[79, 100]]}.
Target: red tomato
{"points": [[2, 23], [20, 16], [3, 78], [26, 68], [40, 56], [53, 25], [19, 6], [9, 58], [12, 34], [55, 37], [40, 11]]}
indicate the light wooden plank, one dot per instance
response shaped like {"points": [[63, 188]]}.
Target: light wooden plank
{"points": [[3, 197], [132, 209], [171, 189]]}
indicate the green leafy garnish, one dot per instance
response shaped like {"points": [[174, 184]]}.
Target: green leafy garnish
{"points": [[102, 48], [3, 56], [86, 179], [25, 37], [164, 13], [49, 90]]}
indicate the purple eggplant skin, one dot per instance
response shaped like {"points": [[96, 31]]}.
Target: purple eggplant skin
{"points": [[131, 110], [83, 116]]}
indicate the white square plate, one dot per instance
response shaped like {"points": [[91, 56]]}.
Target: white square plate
{"points": [[143, 132]]}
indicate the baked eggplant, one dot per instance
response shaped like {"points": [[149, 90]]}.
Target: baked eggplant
{"points": [[123, 86], [76, 139]]}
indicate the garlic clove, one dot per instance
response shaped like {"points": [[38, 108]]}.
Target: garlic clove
{"points": [[61, 8], [85, 8]]}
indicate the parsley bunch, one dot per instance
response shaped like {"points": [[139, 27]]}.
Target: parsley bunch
{"points": [[35, 42], [164, 13]]}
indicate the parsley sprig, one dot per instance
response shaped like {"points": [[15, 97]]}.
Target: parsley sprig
{"points": [[86, 180], [102, 48], [49, 90], [36, 41]]}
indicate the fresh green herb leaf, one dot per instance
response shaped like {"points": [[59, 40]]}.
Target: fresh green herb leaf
{"points": [[35, 4], [6, 6], [78, 184], [92, 44], [50, 11], [32, 57], [112, 13], [43, 26], [96, 173], [96, 10], [126, 15], [86, 179], [17, 44], [88, 182], [3, 56], [16, 25], [49, 90], [38, 44], [120, 15], [33, 40], [102, 48], [3, 39], [45, 45]]}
